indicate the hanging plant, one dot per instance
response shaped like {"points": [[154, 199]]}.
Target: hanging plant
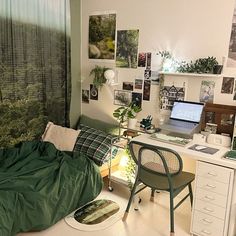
{"points": [[98, 76]]}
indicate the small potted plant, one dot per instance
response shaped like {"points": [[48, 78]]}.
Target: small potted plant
{"points": [[129, 114], [98, 74]]}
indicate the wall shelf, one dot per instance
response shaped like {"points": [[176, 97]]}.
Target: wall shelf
{"points": [[191, 74]]}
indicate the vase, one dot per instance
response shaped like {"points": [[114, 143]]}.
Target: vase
{"points": [[132, 123]]}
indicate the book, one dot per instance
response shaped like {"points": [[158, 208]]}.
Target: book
{"points": [[230, 155]]}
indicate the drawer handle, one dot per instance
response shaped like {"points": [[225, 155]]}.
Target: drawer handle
{"points": [[207, 221], [212, 174], [206, 232], [208, 209], [209, 197], [210, 186]]}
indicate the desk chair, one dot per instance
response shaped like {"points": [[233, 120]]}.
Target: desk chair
{"points": [[160, 168]]}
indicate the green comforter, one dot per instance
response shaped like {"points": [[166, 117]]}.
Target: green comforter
{"points": [[40, 185]]}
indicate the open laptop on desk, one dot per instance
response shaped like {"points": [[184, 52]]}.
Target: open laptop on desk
{"points": [[184, 119]]}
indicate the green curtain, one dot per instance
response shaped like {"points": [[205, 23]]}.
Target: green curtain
{"points": [[35, 76]]}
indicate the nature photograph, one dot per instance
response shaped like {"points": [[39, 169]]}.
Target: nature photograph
{"points": [[102, 32]]}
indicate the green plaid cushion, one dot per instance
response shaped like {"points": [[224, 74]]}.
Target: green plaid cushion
{"points": [[94, 143]]}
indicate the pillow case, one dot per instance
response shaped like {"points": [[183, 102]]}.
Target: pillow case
{"points": [[95, 144], [97, 124], [63, 138]]}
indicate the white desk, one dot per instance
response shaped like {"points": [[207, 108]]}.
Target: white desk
{"points": [[208, 162]]}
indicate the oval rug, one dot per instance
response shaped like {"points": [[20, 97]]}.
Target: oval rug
{"points": [[96, 215]]}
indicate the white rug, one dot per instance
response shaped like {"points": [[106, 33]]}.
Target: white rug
{"points": [[90, 221]]}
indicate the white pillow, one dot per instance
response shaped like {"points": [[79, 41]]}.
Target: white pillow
{"points": [[63, 138]]}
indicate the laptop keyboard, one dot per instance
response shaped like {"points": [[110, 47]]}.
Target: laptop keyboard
{"points": [[183, 124]]}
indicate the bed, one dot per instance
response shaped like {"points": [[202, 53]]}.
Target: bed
{"points": [[43, 181]]}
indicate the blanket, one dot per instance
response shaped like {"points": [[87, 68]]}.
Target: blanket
{"points": [[39, 185]]}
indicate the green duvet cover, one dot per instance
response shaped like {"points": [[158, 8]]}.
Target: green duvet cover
{"points": [[39, 185]]}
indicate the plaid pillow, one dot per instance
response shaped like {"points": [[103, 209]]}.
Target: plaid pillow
{"points": [[94, 143]]}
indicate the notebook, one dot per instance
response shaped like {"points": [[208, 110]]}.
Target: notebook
{"points": [[185, 117]]}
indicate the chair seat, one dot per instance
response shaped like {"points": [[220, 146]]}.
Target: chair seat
{"points": [[161, 182]]}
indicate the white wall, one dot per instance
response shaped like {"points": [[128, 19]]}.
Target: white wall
{"points": [[189, 29]]}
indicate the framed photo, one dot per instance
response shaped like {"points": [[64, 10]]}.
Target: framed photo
{"points": [[146, 90], [85, 96], [227, 85], [137, 99], [122, 98], [93, 92], [142, 59], [138, 84], [128, 86]]}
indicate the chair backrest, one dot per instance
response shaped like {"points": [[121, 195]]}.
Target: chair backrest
{"points": [[156, 159]]}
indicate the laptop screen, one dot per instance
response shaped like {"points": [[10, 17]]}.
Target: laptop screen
{"points": [[187, 111]]}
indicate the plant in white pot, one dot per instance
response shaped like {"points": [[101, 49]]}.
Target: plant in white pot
{"points": [[129, 114]]}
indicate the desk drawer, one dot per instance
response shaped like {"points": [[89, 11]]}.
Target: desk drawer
{"points": [[209, 209], [212, 186], [213, 172], [207, 225], [211, 197]]}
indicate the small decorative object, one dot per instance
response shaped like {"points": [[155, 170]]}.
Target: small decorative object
{"points": [[211, 128], [99, 76], [146, 123], [217, 69], [111, 77]]}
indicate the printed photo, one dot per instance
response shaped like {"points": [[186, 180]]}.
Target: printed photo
{"points": [[122, 98], [227, 85], [128, 86], [137, 99], [138, 84], [142, 59], [102, 32], [169, 94], [149, 59], [207, 91], [146, 90], [155, 77], [93, 92], [85, 96], [127, 48], [231, 62], [147, 74]]}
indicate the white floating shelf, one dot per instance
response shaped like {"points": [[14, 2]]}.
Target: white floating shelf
{"points": [[191, 74]]}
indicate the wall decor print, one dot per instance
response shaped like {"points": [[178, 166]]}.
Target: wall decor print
{"points": [[231, 62], [142, 59], [149, 60], [155, 77], [169, 94], [128, 86], [122, 98], [93, 92], [85, 96], [138, 84], [102, 31], [137, 98], [146, 90], [227, 85], [127, 48], [207, 91], [147, 74], [234, 97]]}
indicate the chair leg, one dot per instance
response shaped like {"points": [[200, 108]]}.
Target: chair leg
{"points": [[190, 194], [172, 231], [130, 200], [152, 195]]}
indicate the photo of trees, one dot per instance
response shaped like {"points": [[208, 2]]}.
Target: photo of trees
{"points": [[127, 48], [102, 31]]}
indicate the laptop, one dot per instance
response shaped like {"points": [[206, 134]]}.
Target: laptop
{"points": [[185, 118]]}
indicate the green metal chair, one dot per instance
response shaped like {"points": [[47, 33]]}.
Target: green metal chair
{"points": [[160, 168]]}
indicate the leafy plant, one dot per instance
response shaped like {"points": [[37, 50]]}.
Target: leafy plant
{"points": [[98, 76], [201, 65], [124, 113]]}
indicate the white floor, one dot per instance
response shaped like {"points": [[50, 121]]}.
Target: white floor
{"points": [[152, 218]]}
